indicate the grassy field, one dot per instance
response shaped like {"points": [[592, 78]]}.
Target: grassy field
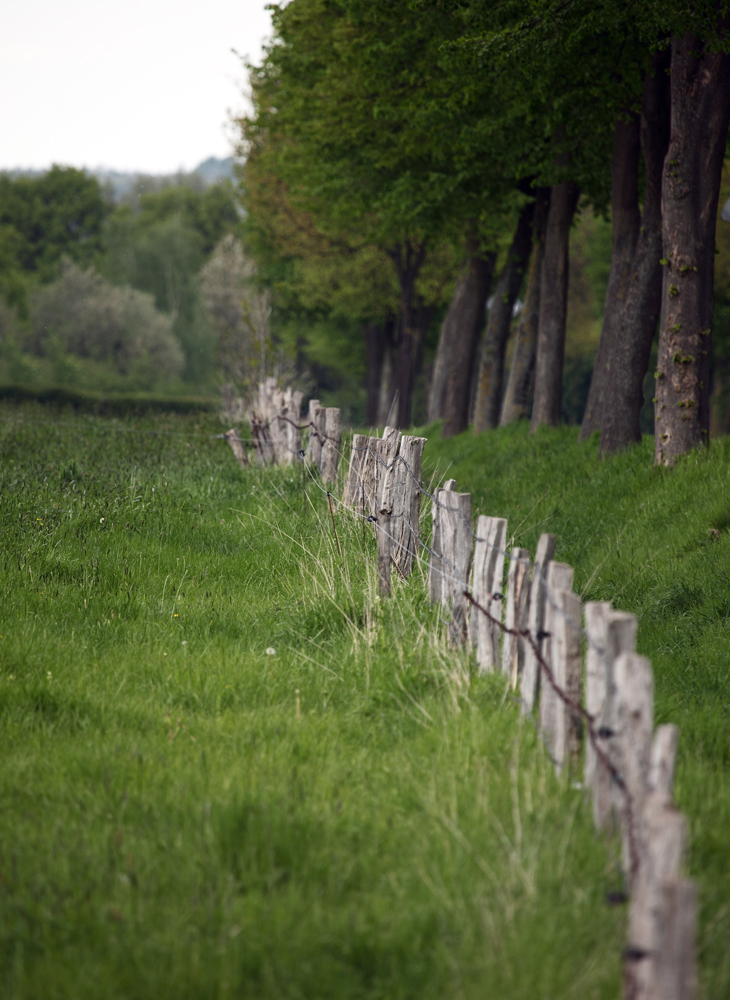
{"points": [[355, 814]]}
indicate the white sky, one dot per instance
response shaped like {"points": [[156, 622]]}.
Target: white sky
{"points": [[138, 85]]}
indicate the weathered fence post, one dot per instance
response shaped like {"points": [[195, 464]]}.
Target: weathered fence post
{"points": [[596, 618], [663, 759], [314, 444], [436, 587], [354, 489], [568, 676], [620, 638], [534, 613], [559, 577], [456, 547], [384, 552], [513, 646], [402, 499], [293, 430], [237, 448], [332, 444], [675, 960], [662, 848], [634, 683], [486, 583]]}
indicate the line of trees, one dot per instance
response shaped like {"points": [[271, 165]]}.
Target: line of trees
{"points": [[154, 292], [407, 164]]}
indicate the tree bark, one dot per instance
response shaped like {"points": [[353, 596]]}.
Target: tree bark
{"points": [[700, 95], [516, 405], [375, 336], [408, 260], [553, 307], [629, 355], [459, 340], [491, 369], [626, 221]]}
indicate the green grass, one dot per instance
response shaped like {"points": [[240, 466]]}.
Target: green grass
{"points": [[169, 826]]}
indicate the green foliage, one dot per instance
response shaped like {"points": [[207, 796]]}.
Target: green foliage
{"points": [[80, 314], [42, 220]]}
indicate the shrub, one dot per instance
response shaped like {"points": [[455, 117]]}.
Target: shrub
{"points": [[82, 314]]}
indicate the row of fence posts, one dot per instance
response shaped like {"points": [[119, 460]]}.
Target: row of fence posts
{"points": [[581, 680], [276, 430]]}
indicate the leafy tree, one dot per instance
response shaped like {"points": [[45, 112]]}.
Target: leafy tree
{"points": [[345, 103], [43, 220], [161, 248], [83, 315]]}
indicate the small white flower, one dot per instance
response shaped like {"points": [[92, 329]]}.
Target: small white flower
{"points": [[50, 675], [101, 520], [185, 642], [270, 651]]}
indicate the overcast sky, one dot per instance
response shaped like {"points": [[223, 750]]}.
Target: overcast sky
{"points": [[136, 85]]}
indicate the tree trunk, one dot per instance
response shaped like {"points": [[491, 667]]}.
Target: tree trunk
{"points": [[460, 337], [375, 336], [387, 394], [516, 405], [700, 87], [408, 261], [553, 307], [629, 355], [491, 368], [626, 219]]}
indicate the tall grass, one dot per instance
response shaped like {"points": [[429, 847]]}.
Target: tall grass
{"points": [[184, 814]]}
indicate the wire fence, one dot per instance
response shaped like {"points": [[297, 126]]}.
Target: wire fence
{"points": [[628, 766]]}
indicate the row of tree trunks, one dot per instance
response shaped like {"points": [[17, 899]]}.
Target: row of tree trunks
{"points": [[630, 348], [516, 405], [626, 220], [700, 98], [547, 405], [465, 332], [491, 369], [459, 340]]}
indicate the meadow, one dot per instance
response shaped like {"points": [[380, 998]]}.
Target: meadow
{"points": [[230, 770]]}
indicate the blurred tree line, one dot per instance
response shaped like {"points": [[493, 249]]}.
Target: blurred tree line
{"points": [[499, 210], [126, 296]]}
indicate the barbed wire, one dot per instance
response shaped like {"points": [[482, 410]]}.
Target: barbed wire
{"points": [[573, 705]]}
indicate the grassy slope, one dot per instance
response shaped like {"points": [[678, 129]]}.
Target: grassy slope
{"points": [[655, 543], [169, 828]]}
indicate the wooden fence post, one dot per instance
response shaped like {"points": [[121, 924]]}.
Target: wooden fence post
{"points": [[596, 618], [487, 581], [663, 759], [568, 675], [635, 702], [513, 647], [559, 576], [620, 638], [384, 552], [293, 430], [663, 845], [354, 490], [402, 499], [675, 959], [234, 441], [314, 445], [436, 587], [534, 615], [278, 432], [456, 546], [332, 444], [321, 435]]}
